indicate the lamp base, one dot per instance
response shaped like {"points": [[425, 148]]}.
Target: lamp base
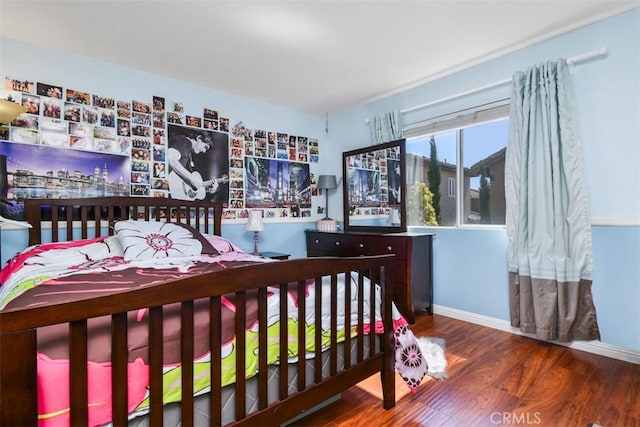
{"points": [[327, 224], [255, 244]]}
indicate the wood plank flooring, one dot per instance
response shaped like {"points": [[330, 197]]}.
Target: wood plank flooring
{"points": [[498, 378]]}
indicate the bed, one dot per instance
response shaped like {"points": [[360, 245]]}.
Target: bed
{"points": [[106, 338]]}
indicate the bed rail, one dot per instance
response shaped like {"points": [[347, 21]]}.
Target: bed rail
{"points": [[18, 341]]}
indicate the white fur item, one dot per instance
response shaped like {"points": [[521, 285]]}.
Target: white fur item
{"points": [[433, 351]]}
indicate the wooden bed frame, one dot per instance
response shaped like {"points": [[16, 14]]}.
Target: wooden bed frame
{"points": [[72, 219]]}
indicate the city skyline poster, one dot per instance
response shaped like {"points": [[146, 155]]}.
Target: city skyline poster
{"points": [[50, 172]]}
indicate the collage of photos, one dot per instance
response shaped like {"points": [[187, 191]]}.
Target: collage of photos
{"points": [[150, 136], [257, 150]]}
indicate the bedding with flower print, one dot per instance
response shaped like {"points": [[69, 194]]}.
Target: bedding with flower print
{"points": [[160, 239], [55, 272]]}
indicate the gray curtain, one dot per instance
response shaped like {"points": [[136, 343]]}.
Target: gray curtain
{"points": [[550, 256], [386, 127]]}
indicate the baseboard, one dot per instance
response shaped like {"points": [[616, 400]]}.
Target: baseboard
{"points": [[596, 347]]}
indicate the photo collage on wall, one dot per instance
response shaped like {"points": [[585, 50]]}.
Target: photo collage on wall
{"points": [[270, 171], [141, 134], [374, 181]]}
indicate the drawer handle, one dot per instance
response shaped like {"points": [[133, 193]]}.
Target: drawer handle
{"points": [[362, 245], [389, 248], [317, 241], [337, 243]]}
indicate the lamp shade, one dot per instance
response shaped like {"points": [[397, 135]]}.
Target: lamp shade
{"points": [[327, 182], [9, 111], [255, 221], [394, 217]]}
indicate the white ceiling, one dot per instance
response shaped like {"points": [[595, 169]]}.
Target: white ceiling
{"points": [[313, 56]]}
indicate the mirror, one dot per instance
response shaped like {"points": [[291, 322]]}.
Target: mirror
{"points": [[373, 187]]}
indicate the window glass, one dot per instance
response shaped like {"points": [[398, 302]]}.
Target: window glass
{"points": [[420, 151], [456, 177], [483, 154]]}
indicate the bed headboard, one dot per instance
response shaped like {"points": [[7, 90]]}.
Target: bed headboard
{"points": [[97, 213]]}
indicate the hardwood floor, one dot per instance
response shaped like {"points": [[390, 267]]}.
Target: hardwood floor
{"points": [[498, 378]]}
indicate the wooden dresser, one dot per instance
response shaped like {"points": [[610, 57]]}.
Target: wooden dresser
{"points": [[414, 261]]}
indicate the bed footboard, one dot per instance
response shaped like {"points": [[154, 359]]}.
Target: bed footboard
{"points": [[19, 329]]}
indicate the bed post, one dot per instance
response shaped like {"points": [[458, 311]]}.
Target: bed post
{"points": [[33, 217], [18, 386], [387, 375]]}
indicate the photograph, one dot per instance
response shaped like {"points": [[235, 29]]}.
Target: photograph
{"points": [[103, 102], [210, 114], [26, 121], [141, 107], [158, 104], [54, 125], [78, 97], [158, 120], [79, 129], [124, 127], [51, 91], [54, 139], [31, 103], [194, 121], [175, 118], [72, 112], [25, 135], [198, 164], [25, 86], [90, 115], [51, 108]]}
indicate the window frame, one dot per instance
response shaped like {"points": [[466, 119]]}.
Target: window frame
{"points": [[456, 122]]}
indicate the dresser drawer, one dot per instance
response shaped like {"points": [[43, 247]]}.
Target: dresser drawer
{"points": [[328, 244], [374, 245]]}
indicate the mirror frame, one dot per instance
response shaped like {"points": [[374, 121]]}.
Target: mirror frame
{"points": [[348, 226]]}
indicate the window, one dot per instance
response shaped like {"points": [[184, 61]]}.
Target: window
{"points": [[452, 187], [460, 158]]}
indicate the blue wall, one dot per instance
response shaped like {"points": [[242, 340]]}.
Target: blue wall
{"points": [[470, 270], [469, 264]]}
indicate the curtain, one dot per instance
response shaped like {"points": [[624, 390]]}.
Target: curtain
{"points": [[550, 256], [386, 127]]}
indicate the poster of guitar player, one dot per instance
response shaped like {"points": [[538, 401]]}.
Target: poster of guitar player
{"points": [[198, 162]]}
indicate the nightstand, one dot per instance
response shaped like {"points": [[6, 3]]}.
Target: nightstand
{"points": [[274, 255]]}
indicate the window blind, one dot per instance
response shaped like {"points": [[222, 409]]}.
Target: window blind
{"points": [[459, 119]]}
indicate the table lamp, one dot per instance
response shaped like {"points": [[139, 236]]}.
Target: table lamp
{"points": [[327, 182], [394, 217], [256, 225]]}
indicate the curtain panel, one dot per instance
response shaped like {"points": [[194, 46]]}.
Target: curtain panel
{"points": [[386, 127], [550, 257]]}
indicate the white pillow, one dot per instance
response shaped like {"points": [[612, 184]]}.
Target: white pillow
{"points": [[142, 240]]}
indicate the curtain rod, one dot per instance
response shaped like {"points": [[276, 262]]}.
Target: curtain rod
{"points": [[571, 62]]}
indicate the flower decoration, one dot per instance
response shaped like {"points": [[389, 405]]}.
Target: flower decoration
{"points": [[157, 239]]}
